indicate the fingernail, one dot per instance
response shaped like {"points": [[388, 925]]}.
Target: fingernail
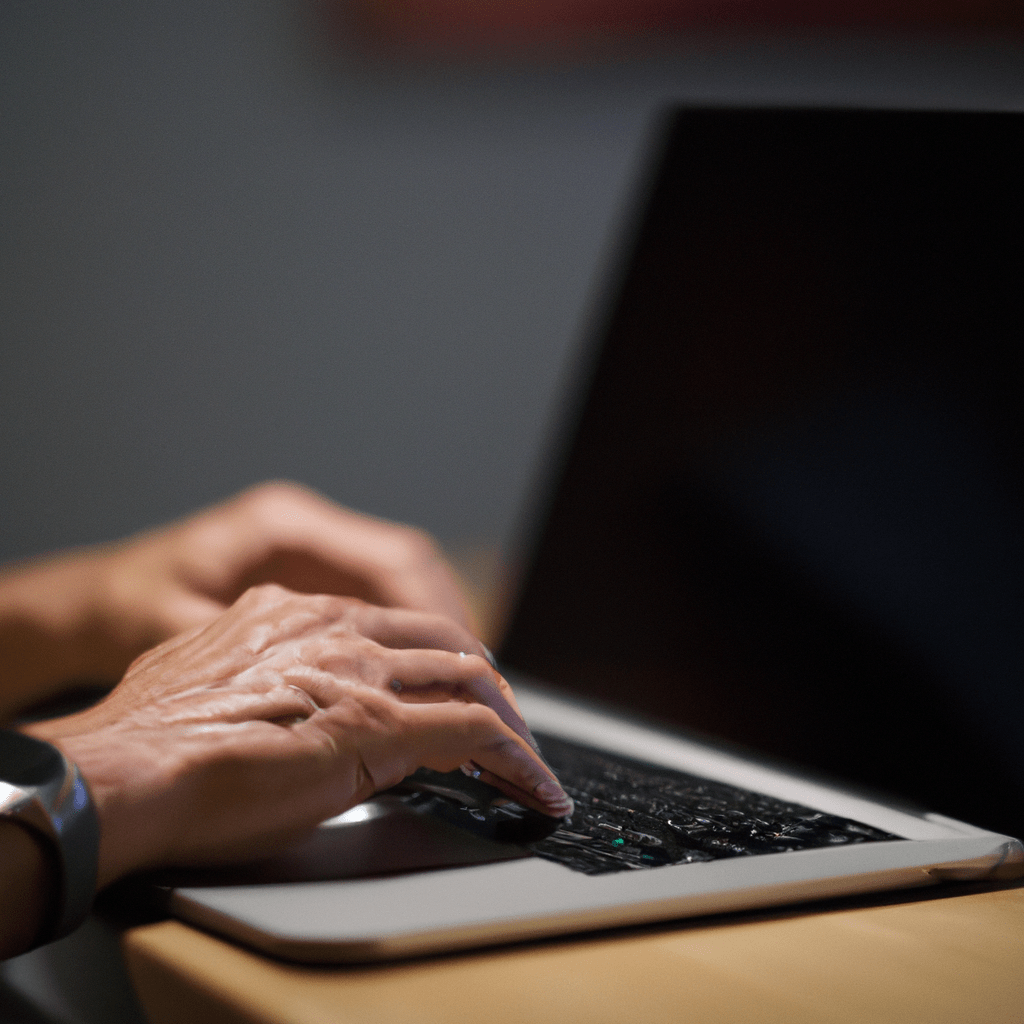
{"points": [[490, 657], [552, 794]]}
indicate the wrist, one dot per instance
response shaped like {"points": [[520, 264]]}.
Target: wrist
{"points": [[126, 776], [52, 629]]}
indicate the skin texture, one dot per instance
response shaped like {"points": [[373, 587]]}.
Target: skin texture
{"points": [[87, 614], [244, 734], [255, 702]]}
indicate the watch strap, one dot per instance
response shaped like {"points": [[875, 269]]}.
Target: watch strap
{"points": [[41, 789]]}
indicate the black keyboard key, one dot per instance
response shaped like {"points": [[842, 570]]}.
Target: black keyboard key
{"points": [[631, 815]]}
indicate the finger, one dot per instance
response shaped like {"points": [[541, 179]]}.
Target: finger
{"points": [[380, 575], [443, 736], [433, 588], [313, 545], [405, 628], [419, 676], [439, 675], [268, 614], [310, 708], [399, 628], [279, 704], [398, 566], [556, 806]]}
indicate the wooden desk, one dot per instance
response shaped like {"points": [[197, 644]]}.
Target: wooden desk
{"points": [[953, 956]]}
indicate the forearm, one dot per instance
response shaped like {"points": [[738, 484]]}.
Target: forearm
{"points": [[25, 888], [49, 635]]}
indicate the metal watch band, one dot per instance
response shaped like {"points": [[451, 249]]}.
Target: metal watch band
{"points": [[42, 789]]}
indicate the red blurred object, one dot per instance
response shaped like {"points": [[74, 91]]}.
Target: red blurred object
{"points": [[504, 24]]}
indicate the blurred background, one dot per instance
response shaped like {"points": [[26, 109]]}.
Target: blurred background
{"points": [[357, 244]]}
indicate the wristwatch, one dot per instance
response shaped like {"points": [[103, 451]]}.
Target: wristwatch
{"points": [[44, 791]]}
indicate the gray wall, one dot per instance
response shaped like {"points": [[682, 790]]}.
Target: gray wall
{"points": [[231, 250]]}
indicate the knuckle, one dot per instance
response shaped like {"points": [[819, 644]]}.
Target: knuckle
{"points": [[325, 608], [364, 663], [265, 594], [478, 665], [370, 714], [274, 507], [272, 495], [412, 546], [481, 719], [355, 613], [332, 608]]}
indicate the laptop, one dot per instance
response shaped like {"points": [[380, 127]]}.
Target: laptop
{"points": [[769, 632]]}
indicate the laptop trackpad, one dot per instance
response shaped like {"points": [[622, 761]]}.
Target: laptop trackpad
{"points": [[382, 836]]}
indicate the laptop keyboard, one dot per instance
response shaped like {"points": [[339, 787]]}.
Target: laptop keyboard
{"points": [[631, 815]]}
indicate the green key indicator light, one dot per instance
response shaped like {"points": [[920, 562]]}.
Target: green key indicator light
{"points": [[618, 842]]}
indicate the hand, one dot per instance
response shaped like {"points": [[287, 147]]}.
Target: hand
{"points": [[86, 614], [244, 734]]}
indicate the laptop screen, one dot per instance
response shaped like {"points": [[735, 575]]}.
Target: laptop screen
{"points": [[789, 514]]}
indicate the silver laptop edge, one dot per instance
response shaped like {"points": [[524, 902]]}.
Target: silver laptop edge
{"points": [[362, 920]]}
